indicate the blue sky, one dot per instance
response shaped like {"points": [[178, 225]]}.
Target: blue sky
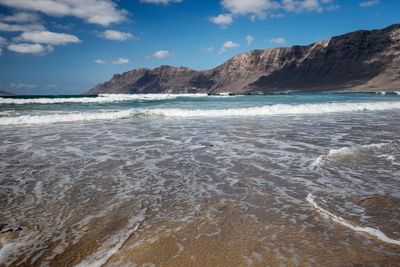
{"points": [[69, 46]]}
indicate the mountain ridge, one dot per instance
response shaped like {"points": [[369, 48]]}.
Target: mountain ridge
{"points": [[357, 61]]}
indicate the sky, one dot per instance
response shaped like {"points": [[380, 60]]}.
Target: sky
{"points": [[69, 46]]}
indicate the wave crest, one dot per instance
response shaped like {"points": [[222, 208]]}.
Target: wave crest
{"points": [[269, 110], [102, 98]]}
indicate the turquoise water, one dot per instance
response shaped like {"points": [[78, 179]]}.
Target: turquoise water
{"points": [[171, 105], [87, 180]]}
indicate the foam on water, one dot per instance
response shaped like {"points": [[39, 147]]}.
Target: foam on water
{"points": [[102, 98], [268, 110], [278, 109], [368, 230], [339, 152], [66, 117]]}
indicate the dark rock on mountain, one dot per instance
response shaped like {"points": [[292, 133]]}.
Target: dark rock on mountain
{"points": [[357, 61]]}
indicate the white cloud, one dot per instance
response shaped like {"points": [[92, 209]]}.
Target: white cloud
{"points": [[209, 49], [222, 19], [164, 2], [1, 51], [103, 12], [249, 39], [120, 61], [20, 17], [256, 8], [278, 40], [302, 5], [261, 9], [162, 54], [298, 6], [3, 41], [227, 45], [46, 37], [36, 49], [20, 27], [21, 86], [116, 35], [230, 44], [99, 61], [369, 3]]}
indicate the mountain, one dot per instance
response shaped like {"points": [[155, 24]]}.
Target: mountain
{"points": [[4, 93], [356, 61]]}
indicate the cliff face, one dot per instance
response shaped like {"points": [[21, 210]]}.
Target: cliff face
{"points": [[361, 60]]}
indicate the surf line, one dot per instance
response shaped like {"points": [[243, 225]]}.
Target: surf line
{"points": [[368, 230]]}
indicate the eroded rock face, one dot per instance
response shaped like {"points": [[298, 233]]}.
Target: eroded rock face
{"points": [[361, 60]]}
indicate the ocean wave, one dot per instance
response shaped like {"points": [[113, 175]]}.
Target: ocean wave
{"points": [[278, 109], [102, 98], [344, 151], [64, 118], [269, 110], [368, 230]]}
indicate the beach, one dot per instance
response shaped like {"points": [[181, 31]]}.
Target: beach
{"points": [[197, 180]]}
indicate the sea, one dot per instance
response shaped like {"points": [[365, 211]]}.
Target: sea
{"points": [[288, 179]]}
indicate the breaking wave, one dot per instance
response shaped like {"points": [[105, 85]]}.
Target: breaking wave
{"points": [[368, 230], [269, 110], [68, 117], [344, 151], [278, 109], [102, 98]]}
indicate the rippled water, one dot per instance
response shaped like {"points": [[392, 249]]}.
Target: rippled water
{"points": [[297, 179]]}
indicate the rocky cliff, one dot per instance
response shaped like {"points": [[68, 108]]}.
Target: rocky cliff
{"points": [[357, 61]]}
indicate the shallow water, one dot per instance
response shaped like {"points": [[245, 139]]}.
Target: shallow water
{"points": [[200, 180]]}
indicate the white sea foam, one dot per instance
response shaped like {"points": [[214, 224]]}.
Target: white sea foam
{"points": [[269, 110], [103, 98], [368, 230], [278, 109], [67, 117], [344, 151]]}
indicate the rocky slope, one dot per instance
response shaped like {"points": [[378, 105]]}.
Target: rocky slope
{"points": [[5, 93], [357, 61]]}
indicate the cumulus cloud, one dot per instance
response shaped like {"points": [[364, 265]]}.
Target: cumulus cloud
{"points": [[163, 2], [47, 37], [20, 17], [249, 39], [261, 9], [20, 27], [116, 35], [303, 5], [222, 20], [227, 45], [278, 40], [121, 61], [100, 61], [35, 49], [102, 12], [256, 8], [161, 54], [369, 3]]}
